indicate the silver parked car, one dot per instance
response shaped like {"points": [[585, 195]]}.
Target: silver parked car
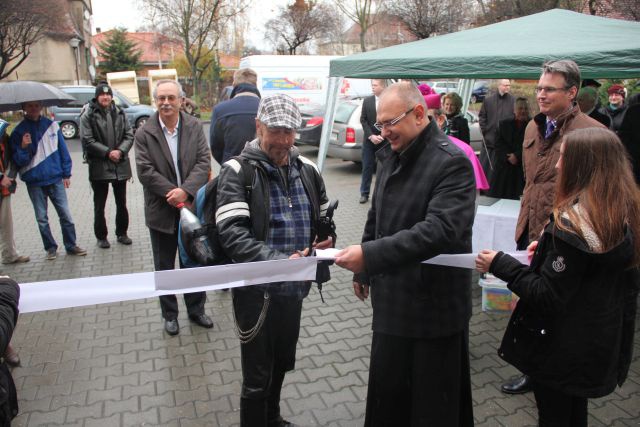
{"points": [[347, 134], [68, 116]]}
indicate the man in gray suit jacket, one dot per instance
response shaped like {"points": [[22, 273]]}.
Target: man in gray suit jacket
{"points": [[173, 162]]}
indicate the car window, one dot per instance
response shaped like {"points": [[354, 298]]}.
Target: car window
{"points": [[344, 111], [117, 100], [122, 99], [81, 99]]}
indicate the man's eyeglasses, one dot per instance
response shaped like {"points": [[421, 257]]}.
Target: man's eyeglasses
{"points": [[393, 122], [549, 89]]}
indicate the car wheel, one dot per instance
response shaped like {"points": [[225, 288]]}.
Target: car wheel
{"points": [[69, 130], [141, 121], [474, 99]]}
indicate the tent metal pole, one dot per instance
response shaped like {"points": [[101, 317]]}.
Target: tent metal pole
{"points": [[327, 124], [465, 87]]}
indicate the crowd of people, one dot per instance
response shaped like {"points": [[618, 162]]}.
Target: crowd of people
{"points": [[572, 332]]}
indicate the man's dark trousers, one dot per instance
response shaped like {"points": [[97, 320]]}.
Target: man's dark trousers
{"points": [[164, 247], [266, 358], [100, 193], [368, 166]]}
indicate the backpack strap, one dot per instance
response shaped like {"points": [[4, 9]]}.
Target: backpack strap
{"points": [[248, 172]]}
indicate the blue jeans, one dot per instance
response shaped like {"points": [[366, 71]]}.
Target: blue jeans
{"points": [[56, 192]]}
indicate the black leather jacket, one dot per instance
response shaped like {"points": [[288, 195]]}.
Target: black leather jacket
{"points": [[97, 148], [243, 234]]}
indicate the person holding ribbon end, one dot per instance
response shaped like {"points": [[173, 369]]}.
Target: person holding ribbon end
{"points": [[423, 206], [276, 216], [556, 94], [572, 330]]}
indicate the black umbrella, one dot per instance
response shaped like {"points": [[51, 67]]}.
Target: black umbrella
{"points": [[14, 94]]}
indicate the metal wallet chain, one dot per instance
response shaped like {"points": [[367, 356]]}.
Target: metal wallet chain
{"points": [[247, 336]]}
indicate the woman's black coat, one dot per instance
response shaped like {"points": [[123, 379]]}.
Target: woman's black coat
{"points": [[457, 127], [573, 327]]}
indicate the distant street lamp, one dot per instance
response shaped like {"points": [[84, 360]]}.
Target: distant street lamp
{"points": [[75, 43]]}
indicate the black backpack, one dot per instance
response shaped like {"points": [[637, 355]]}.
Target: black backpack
{"points": [[206, 212]]}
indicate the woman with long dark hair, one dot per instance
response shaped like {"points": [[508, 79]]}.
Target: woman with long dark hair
{"points": [[572, 330]]}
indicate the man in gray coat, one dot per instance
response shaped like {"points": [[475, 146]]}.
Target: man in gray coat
{"points": [[423, 206], [173, 162], [496, 107], [106, 139]]}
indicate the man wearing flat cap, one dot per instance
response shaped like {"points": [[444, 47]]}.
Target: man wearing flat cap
{"points": [[616, 108], [106, 139], [269, 201]]}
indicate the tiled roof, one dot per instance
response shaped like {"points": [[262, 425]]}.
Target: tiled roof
{"points": [[148, 43], [229, 62], [169, 48]]}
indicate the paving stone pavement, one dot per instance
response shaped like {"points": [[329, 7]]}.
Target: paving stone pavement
{"points": [[113, 365]]}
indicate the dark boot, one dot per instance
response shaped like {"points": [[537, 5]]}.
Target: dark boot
{"points": [[253, 412], [273, 400]]}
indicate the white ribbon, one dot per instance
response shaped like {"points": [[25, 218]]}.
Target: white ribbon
{"points": [[55, 294], [41, 296], [469, 260]]}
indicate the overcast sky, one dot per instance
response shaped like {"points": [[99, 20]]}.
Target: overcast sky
{"points": [[108, 14]]}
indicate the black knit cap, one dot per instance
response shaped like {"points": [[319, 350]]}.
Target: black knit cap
{"points": [[103, 87]]}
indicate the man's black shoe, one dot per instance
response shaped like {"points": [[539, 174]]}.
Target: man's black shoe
{"points": [[202, 320], [104, 244], [281, 422], [364, 199], [172, 327], [518, 385], [124, 239]]}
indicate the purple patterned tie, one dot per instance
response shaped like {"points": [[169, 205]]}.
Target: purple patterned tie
{"points": [[550, 128]]}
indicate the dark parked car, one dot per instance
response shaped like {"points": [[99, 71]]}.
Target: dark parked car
{"points": [[68, 116], [311, 128], [479, 91]]}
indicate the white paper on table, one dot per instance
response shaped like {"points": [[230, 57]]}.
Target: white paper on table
{"points": [[469, 260], [327, 254]]}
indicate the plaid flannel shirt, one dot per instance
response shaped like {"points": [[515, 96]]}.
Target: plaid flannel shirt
{"points": [[289, 225]]}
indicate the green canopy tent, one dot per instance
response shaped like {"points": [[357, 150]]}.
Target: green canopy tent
{"points": [[602, 47]]}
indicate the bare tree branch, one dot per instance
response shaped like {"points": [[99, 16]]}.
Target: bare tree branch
{"points": [[425, 18], [198, 24], [23, 24], [297, 24], [365, 13]]}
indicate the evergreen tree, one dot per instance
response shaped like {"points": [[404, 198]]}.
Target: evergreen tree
{"points": [[119, 53]]}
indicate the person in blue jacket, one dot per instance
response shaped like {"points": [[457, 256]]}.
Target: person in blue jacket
{"points": [[44, 164], [233, 121]]}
